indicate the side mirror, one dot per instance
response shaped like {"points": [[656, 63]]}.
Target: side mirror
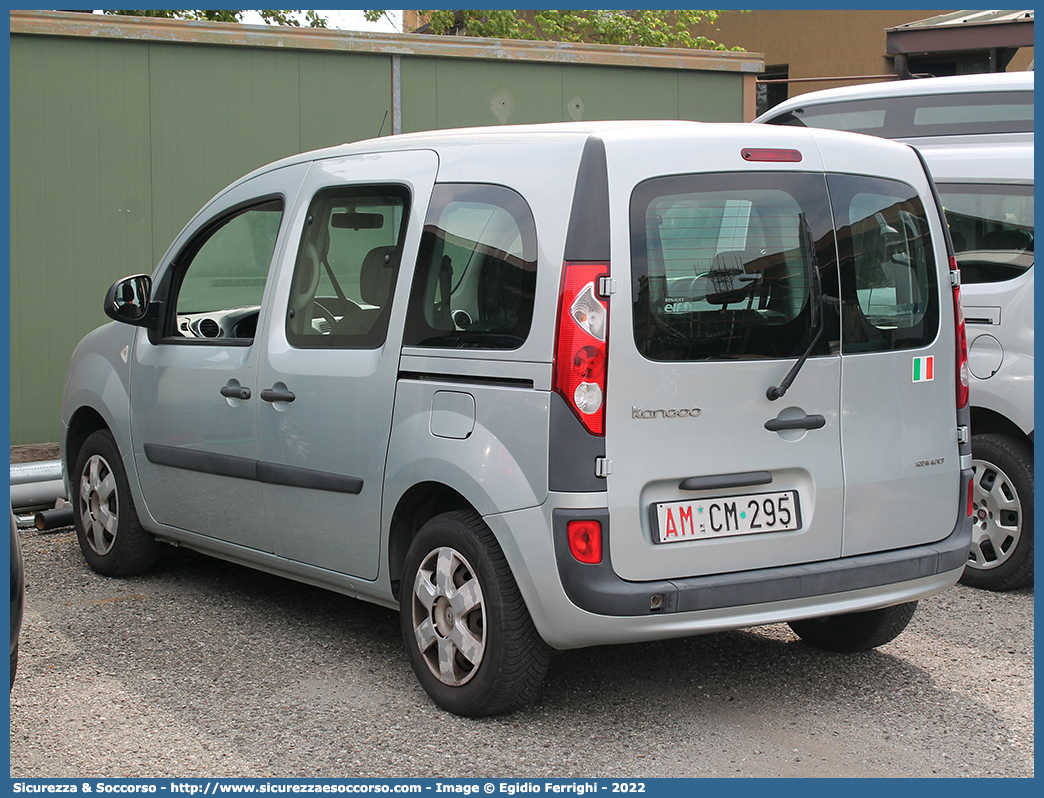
{"points": [[127, 300]]}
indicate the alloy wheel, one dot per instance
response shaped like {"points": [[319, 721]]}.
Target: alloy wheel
{"points": [[449, 617], [99, 504], [996, 517]]}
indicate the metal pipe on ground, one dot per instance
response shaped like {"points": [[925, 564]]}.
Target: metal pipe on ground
{"points": [[36, 486], [42, 471], [53, 519]]}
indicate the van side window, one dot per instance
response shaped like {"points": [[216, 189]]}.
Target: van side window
{"points": [[346, 267], [968, 113], [889, 290], [476, 270], [992, 229], [221, 275], [721, 266]]}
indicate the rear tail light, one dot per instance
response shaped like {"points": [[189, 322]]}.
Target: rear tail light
{"points": [[580, 347], [585, 541], [962, 336], [971, 497]]}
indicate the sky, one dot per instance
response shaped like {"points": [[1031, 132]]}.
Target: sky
{"points": [[340, 20], [343, 20]]}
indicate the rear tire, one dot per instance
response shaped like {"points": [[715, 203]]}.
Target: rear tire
{"points": [[465, 625], [111, 539], [1001, 557], [856, 631]]}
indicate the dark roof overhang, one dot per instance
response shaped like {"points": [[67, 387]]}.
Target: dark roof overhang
{"points": [[962, 31]]}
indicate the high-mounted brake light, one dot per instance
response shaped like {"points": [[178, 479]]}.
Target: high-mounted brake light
{"points": [[962, 336], [580, 347], [778, 156]]}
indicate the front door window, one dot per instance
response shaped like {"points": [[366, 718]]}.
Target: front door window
{"points": [[221, 275]]}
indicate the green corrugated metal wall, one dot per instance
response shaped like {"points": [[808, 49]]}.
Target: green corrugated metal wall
{"points": [[446, 92], [115, 143]]}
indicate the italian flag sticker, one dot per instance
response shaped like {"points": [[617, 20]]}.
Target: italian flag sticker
{"points": [[923, 368]]}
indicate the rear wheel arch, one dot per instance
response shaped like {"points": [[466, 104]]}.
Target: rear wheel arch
{"points": [[415, 508], [986, 421]]}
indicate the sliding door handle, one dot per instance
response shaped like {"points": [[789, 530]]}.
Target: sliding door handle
{"points": [[277, 395]]}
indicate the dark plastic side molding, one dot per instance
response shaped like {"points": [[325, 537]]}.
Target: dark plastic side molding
{"points": [[223, 465], [588, 236], [572, 452], [226, 465]]}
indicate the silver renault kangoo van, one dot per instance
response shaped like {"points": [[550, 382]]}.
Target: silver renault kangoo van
{"points": [[545, 387]]}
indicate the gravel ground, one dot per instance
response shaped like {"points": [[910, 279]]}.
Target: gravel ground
{"points": [[204, 668], [34, 452]]}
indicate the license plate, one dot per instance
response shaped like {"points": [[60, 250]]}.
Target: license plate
{"points": [[725, 516]]}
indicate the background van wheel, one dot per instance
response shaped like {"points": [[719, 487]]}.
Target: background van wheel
{"points": [[469, 635], [856, 631], [1001, 556], [111, 539]]}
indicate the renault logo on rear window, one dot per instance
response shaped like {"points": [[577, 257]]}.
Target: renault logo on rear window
{"points": [[685, 412]]}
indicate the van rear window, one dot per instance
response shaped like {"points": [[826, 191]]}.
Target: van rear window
{"points": [[922, 115], [889, 275], [721, 264]]}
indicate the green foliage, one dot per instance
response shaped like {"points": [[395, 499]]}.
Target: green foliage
{"points": [[270, 17], [638, 28]]}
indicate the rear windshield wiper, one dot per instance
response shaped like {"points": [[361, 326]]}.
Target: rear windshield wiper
{"points": [[815, 314]]}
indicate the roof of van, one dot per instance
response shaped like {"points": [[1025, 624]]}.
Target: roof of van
{"points": [[457, 147], [491, 135], [548, 134], [993, 81], [980, 163]]}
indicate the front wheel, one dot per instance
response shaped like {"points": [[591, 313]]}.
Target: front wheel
{"points": [[472, 642], [856, 631], [111, 539], [1001, 556]]}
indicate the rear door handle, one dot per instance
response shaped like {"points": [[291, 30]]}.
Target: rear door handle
{"points": [[235, 392], [808, 422], [276, 395]]}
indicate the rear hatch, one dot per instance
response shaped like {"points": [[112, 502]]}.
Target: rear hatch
{"points": [[727, 287]]}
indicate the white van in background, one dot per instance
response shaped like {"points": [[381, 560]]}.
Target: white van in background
{"points": [[976, 134], [991, 108], [987, 194]]}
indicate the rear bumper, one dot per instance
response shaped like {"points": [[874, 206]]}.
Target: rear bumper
{"points": [[581, 605], [598, 589]]}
